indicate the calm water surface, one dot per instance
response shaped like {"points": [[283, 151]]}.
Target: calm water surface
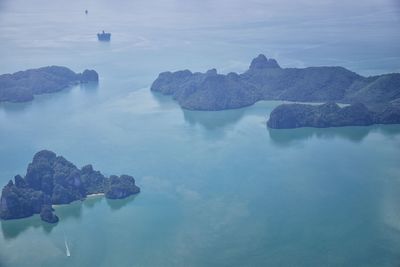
{"points": [[218, 188]]}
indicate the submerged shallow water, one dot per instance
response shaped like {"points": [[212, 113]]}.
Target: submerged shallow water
{"points": [[218, 188]]}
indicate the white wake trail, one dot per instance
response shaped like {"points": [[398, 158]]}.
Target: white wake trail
{"points": [[66, 247]]}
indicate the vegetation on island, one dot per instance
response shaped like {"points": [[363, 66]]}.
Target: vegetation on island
{"points": [[376, 97], [51, 179], [22, 86]]}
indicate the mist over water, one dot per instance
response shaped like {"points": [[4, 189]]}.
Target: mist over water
{"points": [[169, 35], [218, 188]]}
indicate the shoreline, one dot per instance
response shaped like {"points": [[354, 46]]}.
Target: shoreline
{"points": [[87, 196], [95, 195]]}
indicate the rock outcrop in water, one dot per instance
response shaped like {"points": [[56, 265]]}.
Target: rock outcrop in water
{"points": [[51, 179], [120, 187], [266, 80], [331, 115], [47, 214], [22, 86]]}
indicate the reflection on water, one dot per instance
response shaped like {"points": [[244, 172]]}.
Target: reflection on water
{"points": [[70, 211], [164, 101], [92, 201], [287, 137], [85, 89], [13, 228], [116, 204], [90, 86], [388, 130], [14, 107], [212, 120]]}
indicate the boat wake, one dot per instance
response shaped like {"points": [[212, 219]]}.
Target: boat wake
{"points": [[66, 248]]}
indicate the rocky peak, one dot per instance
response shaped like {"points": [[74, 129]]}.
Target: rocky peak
{"points": [[89, 76], [211, 72], [262, 62], [19, 181], [44, 155]]}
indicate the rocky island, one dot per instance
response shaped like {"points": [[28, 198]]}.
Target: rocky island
{"points": [[51, 180], [288, 116], [267, 80], [22, 86]]}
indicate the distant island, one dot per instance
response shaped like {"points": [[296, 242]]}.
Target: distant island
{"points": [[288, 116], [22, 86], [266, 80], [52, 180]]}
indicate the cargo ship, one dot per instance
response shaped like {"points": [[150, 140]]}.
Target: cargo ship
{"points": [[104, 36]]}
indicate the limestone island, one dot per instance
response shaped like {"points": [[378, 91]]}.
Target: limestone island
{"points": [[52, 180], [288, 116], [22, 86], [377, 96]]}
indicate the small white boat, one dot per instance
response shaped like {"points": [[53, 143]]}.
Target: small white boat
{"points": [[67, 248]]}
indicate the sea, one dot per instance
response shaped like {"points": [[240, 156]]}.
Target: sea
{"points": [[218, 188]]}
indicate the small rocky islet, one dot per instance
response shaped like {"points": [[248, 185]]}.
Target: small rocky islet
{"points": [[22, 86], [372, 100], [52, 180]]}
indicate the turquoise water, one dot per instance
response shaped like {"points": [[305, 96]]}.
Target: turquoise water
{"points": [[218, 188]]}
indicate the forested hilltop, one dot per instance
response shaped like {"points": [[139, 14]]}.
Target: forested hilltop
{"points": [[22, 86], [377, 97], [51, 179]]}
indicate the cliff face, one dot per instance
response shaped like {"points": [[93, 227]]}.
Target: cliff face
{"points": [[51, 179], [266, 80], [121, 187], [389, 113], [23, 85]]}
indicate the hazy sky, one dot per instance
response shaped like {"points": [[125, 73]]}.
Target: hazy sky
{"points": [[362, 35]]}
